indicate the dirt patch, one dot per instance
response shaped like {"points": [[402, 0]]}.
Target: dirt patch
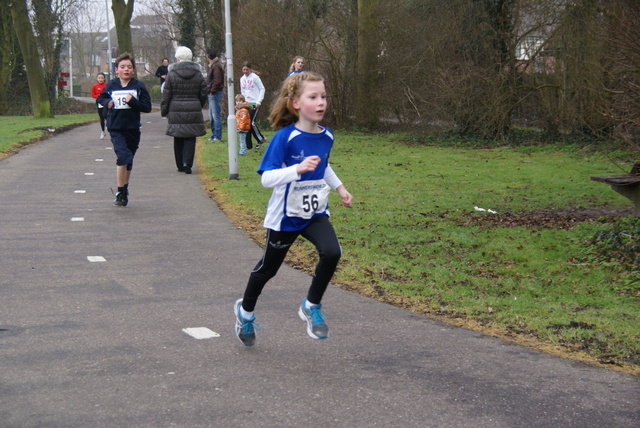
{"points": [[546, 218], [573, 324]]}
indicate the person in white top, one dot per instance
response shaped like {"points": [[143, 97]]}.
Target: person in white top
{"points": [[252, 89]]}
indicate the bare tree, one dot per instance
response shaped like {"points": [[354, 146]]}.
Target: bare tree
{"points": [[478, 66], [122, 13], [326, 35], [622, 39], [48, 32], [11, 64], [37, 88], [203, 21], [367, 106], [86, 31], [46, 20], [269, 48]]}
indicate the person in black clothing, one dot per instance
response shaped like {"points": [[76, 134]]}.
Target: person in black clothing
{"points": [[184, 95], [162, 71]]}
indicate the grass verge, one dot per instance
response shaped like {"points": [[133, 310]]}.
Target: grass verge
{"points": [[21, 131], [409, 240]]}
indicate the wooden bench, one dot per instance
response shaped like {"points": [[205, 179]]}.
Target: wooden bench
{"points": [[628, 185]]}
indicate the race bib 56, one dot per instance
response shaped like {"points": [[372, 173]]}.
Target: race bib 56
{"points": [[307, 198]]}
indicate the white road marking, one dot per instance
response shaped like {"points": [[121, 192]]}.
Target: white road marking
{"points": [[95, 259], [200, 332], [77, 218]]}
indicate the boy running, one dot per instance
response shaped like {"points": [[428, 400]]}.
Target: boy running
{"points": [[124, 97]]}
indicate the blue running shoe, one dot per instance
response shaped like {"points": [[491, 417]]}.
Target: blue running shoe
{"points": [[316, 327], [245, 329]]}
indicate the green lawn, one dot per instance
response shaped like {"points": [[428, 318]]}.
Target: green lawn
{"points": [[20, 130], [408, 238]]}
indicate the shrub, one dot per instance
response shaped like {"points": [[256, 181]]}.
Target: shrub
{"points": [[155, 94], [619, 244], [620, 240]]}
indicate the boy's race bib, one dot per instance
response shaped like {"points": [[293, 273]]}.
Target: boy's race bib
{"points": [[307, 198], [119, 97]]}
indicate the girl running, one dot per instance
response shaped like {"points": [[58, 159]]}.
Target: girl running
{"points": [[296, 166], [297, 66], [96, 90]]}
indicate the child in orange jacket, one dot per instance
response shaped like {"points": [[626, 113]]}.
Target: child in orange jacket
{"points": [[243, 121]]}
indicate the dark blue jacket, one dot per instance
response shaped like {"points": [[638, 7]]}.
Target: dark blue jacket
{"points": [[127, 116]]}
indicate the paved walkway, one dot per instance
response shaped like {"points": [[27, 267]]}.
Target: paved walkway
{"points": [[101, 344]]}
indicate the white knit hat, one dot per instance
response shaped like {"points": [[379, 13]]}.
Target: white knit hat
{"points": [[183, 53]]}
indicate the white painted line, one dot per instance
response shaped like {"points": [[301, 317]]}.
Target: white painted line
{"points": [[108, 148], [88, 173], [200, 332], [79, 191], [77, 218], [99, 160], [95, 259]]}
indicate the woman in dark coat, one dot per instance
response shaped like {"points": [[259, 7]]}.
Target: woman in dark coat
{"points": [[183, 97]]}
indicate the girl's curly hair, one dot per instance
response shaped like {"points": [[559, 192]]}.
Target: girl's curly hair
{"points": [[282, 111]]}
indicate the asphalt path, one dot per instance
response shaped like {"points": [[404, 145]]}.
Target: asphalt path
{"points": [[101, 343]]}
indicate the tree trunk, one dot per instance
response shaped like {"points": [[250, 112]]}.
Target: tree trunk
{"points": [[122, 13], [367, 110], [37, 87], [47, 27], [7, 55]]}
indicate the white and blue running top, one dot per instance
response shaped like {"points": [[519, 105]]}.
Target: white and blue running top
{"points": [[296, 198]]}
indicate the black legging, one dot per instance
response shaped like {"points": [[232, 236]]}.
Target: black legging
{"points": [[320, 233], [254, 129], [102, 112]]}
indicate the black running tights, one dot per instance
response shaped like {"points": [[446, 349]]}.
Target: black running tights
{"points": [[320, 233]]}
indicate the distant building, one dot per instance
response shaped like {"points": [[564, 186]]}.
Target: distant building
{"points": [[153, 39]]}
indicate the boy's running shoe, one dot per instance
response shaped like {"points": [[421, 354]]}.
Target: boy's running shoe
{"points": [[245, 329], [122, 199], [316, 327]]}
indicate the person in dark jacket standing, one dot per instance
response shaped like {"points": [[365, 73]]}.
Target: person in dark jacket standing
{"points": [[215, 84], [124, 98], [183, 97], [161, 71]]}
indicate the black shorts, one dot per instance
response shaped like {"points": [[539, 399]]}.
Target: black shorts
{"points": [[125, 145]]}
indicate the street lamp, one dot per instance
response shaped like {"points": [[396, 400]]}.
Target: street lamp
{"points": [[231, 118], [106, 3]]}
